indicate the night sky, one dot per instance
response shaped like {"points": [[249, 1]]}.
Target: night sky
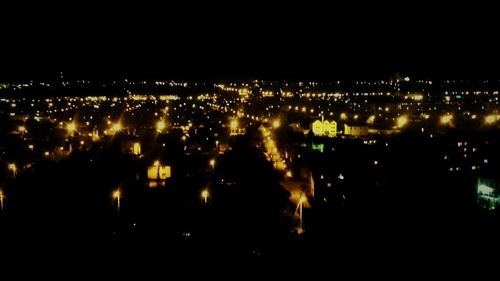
{"points": [[250, 40]]}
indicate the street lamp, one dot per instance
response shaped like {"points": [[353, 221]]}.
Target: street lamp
{"points": [[402, 121], [117, 196], [446, 119], [71, 128], [160, 125], [276, 123], [116, 127], [212, 163], [204, 195], [234, 124], [2, 197], [490, 119], [300, 205], [13, 168], [22, 129]]}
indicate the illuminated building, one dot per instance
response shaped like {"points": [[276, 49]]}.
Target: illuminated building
{"points": [[487, 193], [136, 148], [158, 173], [235, 128], [324, 128], [355, 131]]}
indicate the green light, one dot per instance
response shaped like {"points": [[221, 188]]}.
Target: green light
{"points": [[487, 193], [318, 147]]}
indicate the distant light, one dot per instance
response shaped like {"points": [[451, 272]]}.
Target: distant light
{"points": [[407, 79], [370, 119], [116, 127], [212, 163], [490, 119], [71, 127], [136, 149], [343, 116], [276, 123], [234, 124], [402, 121], [117, 195], [13, 168], [418, 97], [446, 119], [204, 195], [289, 174], [485, 189], [160, 125]]}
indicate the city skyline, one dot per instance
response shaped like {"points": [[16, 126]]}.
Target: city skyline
{"points": [[212, 130]]}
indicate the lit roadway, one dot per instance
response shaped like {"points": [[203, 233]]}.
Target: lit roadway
{"points": [[272, 152], [295, 187]]}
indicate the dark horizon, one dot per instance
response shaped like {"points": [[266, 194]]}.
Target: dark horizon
{"points": [[275, 43]]}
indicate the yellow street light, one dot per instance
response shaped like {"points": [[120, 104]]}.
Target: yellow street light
{"points": [[204, 195], [2, 197], [300, 205], [371, 119], [22, 129], [117, 197], [212, 163], [71, 127], [234, 124], [446, 119], [343, 116], [116, 127], [402, 121], [490, 119], [276, 123], [13, 168], [160, 125]]}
